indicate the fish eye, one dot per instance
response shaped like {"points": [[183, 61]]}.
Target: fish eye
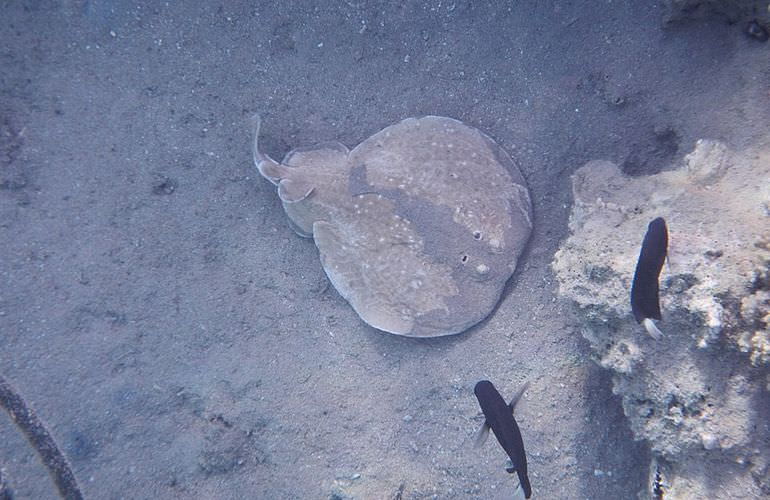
{"points": [[476, 235]]}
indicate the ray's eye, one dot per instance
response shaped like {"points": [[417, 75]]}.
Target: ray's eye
{"points": [[464, 259]]}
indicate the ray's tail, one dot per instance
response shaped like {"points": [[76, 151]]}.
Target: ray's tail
{"points": [[269, 168]]}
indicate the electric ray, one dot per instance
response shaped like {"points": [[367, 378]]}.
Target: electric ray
{"points": [[418, 227]]}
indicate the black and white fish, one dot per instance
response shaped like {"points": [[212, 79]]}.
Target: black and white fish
{"points": [[499, 417], [645, 302]]}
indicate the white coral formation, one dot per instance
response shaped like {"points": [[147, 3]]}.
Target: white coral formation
{"points": [[702, 389], [716, 208]]}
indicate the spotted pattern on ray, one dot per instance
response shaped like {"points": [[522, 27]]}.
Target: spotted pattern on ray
{"points": [[418, 227]]}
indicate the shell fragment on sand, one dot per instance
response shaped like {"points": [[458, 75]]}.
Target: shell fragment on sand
{"points": [[418, 227]]}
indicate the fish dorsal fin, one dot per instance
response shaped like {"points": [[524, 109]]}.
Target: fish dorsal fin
{"points": [[481, 435], [292, 191], [273, 171], [517, 396]]}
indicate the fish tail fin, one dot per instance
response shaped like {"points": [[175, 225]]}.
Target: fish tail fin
{"points": [[481, 435], [517, 396], [652, 329], [256, 124], [269, 168], [518, 494]]}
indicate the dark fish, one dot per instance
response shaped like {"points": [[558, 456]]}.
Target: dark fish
{"points": [[645, 302], [499, 417]]}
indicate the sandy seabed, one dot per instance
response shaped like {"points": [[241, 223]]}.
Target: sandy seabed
{"points": [[179, 340]]}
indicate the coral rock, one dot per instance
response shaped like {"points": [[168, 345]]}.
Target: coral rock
{"points": [[700, 392]]}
